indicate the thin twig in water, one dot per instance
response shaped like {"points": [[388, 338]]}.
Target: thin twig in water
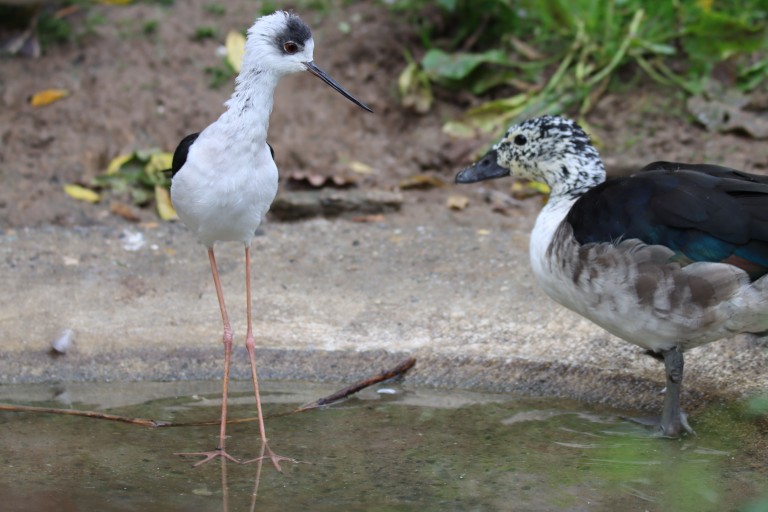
{"points": [[341, 394], [358, 386], [397, 371], [87, 414]]}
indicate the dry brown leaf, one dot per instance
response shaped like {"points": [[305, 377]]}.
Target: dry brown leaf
{"points": [[47, 96], [320, 181], [457, 202], [369, 218], [422, 181], [724, 114], [125, 211], [526, 50]]}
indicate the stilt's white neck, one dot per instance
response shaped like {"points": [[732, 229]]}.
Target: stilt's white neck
{"points": [[249, 107]]}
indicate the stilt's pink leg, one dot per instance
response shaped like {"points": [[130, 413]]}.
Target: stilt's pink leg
{"points": [[250, 345], [219, 451]]}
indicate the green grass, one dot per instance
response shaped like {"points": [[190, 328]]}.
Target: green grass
{"points": [[221, 74], [150, 27], [215, 9], [550, 56], [203, 33]]}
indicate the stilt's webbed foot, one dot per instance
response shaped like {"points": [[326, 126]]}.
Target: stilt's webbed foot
{"points": [[267, 453], [209, 456]]}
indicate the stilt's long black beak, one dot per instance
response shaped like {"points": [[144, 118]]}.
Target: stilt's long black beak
{"points": [[486, 169], [322, 75]]}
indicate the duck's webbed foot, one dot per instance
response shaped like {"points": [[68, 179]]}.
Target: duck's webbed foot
{"points": [[673, 421]]}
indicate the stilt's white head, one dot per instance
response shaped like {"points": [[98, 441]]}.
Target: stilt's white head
{"points": [[281, 43]]}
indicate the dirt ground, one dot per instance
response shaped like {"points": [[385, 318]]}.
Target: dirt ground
{"points": [[132, 91]]}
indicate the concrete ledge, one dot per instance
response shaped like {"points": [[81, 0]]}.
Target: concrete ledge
{"points": [[333, 301]]}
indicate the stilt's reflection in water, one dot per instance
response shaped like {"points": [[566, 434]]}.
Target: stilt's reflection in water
{"points": [[225, 483]]}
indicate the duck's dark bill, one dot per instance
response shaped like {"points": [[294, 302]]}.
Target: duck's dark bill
{"points": [[322, 75], [486, 169]]}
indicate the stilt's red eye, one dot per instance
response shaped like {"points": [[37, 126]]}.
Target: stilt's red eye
{"points": [[290, 47]]}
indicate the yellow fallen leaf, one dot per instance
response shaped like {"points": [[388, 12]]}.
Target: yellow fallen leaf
{"points": [[118, 162], [459, 130], [526, 189], [360, 167], [47, 96], [235, 49], [538, 186], [159, 162], [164, 207], [457, 202], [82, 193]]}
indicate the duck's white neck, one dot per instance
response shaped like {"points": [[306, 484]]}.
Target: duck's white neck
{"points": [[549, 219]]}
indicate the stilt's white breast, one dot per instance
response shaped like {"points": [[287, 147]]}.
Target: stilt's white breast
{"points": [[223, 191]]}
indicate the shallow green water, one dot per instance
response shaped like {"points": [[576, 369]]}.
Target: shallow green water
{"points": [[413, 450]]}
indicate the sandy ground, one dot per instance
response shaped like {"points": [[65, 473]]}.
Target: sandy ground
{"points": [[132, 91]]}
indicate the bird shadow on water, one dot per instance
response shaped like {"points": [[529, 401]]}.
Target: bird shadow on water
{"points": [[391, 448]]}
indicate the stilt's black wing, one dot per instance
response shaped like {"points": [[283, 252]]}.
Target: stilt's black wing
{"points": [[180, 155]]}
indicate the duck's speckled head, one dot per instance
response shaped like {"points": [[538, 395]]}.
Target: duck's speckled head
{"points": [[551, 149]]}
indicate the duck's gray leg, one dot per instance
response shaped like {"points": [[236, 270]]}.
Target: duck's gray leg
{"points": [[673, 419]]}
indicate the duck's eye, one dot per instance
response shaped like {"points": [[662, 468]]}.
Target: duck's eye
{"points": [[520, 140], [290, 47]]}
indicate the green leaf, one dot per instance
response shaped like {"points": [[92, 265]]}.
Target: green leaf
{"points": [[141, 196], [492, 115], [440, 65], [485, 79], [414, 89], [448, 5]]}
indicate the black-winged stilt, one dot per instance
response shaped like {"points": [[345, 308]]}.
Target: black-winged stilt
{"points": [[670, 258], [225, 178]]}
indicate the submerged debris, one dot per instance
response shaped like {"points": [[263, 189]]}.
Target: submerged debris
{"points": [[63, 342]]}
